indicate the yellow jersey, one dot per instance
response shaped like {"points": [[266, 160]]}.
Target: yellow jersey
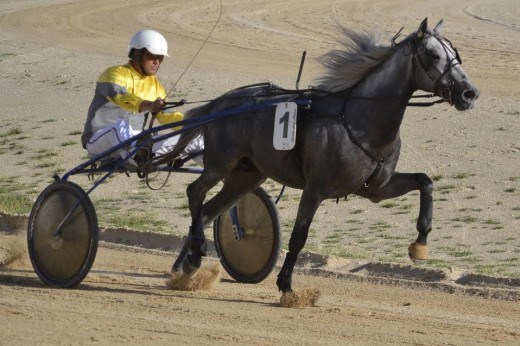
{"points": [[120, 90]]}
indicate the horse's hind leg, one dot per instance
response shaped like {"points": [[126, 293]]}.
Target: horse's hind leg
{"points": [[400, 184], [196, 246], [237, 184]]}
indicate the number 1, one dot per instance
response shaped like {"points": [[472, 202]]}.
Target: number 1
{"points": [[285, 120]]}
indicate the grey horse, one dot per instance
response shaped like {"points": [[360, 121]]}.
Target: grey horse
{"points": [[347, 142]]}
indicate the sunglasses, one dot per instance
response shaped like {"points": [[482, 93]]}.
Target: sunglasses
{"points": [[153, 56]]}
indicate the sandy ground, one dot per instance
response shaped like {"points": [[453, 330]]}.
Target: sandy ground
{"points": [[51, 53], [124, 300]]}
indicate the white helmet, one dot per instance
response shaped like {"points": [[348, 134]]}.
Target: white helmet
{"points": [[153, 41]]}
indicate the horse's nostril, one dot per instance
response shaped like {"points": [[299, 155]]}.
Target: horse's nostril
{"points": [[469, 94]]}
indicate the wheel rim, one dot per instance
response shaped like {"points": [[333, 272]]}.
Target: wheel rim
{"points": [[60, 258], [252, 254]]}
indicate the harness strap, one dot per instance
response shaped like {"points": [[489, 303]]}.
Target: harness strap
{"points": [[379, 160], [353, 139], [342, 118]]}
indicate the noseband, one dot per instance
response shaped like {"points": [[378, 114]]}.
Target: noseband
{"points": [[441, 89]]}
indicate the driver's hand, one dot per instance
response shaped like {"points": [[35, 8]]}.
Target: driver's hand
{"points": [[152, 106]]}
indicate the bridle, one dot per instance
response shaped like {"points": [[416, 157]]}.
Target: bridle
{"points": [[441, 89]]}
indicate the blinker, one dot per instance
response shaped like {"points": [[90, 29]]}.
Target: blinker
{"points": [[457, 56]]}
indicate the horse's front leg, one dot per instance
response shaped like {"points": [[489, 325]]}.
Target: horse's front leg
{"points": [[309, 203], [400, 184]]}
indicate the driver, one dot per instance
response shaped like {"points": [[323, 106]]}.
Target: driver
{"points": [[125, 94]]}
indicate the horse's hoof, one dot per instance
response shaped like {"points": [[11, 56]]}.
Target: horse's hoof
{"points": [[419, 262], [177, 266], [189, 269], [284, 284], [418, 253]]}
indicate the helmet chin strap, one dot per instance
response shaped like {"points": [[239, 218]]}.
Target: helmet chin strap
{"points": [[137, 58]]}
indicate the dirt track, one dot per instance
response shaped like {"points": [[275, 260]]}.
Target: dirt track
{"points": [[125, 300], [51, 55]]}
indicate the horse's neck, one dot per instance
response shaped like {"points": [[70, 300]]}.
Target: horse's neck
{"points": [[389, 88]]}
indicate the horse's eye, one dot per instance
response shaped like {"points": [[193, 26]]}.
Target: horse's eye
{"points": [[436, 57]]}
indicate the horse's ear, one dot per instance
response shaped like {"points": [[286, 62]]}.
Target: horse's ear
{"points": [[423, 28], [438, 27]]}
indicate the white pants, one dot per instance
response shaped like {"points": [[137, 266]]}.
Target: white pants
{"points": [[115, 134]]}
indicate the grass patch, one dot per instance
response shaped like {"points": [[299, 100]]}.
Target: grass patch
{"points": [[465, 219], [14, 198], [485, 269], [45, 153], [333, 239], [46, 158], [497, 251], [184, 206], [437, 177], [389, 205], [45, 164], [380, 225], [393, 237], [7, 55], [445, 188], [67, 143], [107, 204], [15, 131], [133, 221], [462, 175], [438, 263], [461, 253], [48, 121], [349, 254], [14, 202], [495, 223]]}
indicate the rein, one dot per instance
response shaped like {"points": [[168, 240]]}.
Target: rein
{"points": [[443, 92], [301, 92]]}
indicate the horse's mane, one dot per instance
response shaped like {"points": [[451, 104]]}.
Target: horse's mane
{"points": [[362, 52]]}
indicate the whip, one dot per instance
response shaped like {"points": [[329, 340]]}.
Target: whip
{"points": [[198, 51]]}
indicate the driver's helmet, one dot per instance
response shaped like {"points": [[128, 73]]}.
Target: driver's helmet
{"points": [[153, 41]]}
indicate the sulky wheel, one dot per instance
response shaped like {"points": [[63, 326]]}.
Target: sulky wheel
{"points": [[62, 235], [249, 254]]}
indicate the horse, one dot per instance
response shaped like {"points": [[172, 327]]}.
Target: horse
{"points": [[347, 141]]}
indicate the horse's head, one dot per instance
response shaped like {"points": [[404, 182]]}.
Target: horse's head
{"points": [[438, 68]]}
